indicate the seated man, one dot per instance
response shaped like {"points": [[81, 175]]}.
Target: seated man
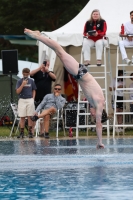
{"points": [[128, 41], [89, 85], [50, 103]]}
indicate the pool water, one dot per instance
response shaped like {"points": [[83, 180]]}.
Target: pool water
{"points": [[66, 169]]}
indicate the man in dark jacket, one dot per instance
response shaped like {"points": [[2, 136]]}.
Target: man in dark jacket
{"points": [[43, 79]]}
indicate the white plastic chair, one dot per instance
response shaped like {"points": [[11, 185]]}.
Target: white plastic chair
{"points": [[58, 117], [14, 107], [37, 126]]}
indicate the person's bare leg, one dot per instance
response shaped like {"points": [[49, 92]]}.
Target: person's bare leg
{"points": [[42, 126], [22, 126], [30, 122], [30, 127], [93, 112], [49, 111], [68, 61], [99, 110], [22, 122], [33, 127], [117, 110], [119, 117], [46, 123]]}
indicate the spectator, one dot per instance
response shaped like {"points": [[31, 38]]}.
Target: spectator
{"points": [[50, 104], [128, 41], [119, 83], [43, 79], [131, 96], [97, 24], [26, 88]]}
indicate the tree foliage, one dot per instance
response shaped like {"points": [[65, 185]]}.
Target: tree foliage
{"points": [[43, 15]]}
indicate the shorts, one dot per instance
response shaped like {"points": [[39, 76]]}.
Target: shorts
{"points": [[81, 72], [119, 104], [26, 107]]}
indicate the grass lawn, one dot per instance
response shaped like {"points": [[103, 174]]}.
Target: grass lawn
{"points": [[5, 132]]}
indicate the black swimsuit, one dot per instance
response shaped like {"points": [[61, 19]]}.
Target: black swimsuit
{"points": [[81, 72]]}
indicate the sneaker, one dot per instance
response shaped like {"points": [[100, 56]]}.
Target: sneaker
{"points": [[34, 118], [46, 135], [21, 135], [128, 62], [30, 135], [41, 135]]}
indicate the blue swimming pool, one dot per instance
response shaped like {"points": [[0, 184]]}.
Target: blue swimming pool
{"points": [[66, 169]]}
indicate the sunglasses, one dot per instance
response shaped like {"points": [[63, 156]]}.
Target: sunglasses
{"points": [[57, 88]]}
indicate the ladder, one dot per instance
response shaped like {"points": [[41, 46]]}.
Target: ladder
{"points": [[126, 90], [101, 74]]}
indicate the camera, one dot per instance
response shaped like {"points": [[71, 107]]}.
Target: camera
{"points": [[45, 62]]}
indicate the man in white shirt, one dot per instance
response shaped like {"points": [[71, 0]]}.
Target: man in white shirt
{"points": [[128, 39], [119, 83]]}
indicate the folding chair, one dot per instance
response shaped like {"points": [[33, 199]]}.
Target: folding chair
{"points": [[58, 118], [16, 117], [37, 127]]}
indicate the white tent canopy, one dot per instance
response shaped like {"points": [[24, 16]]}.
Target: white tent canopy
{"points": [[115, 12]]}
